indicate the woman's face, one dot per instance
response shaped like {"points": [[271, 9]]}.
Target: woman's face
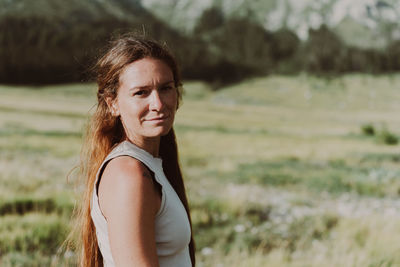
{"points": [[146, 100]]}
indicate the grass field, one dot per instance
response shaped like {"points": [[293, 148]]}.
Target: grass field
{"points": [[280, 171]]}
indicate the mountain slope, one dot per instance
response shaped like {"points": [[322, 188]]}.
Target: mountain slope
{"points": [[57, 41], [298, 15]]}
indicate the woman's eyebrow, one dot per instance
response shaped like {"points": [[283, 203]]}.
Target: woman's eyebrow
{"points": [[165, 83], [141, 87]]}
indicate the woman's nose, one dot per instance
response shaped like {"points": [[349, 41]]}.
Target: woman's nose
{"points": [[155, 101]]}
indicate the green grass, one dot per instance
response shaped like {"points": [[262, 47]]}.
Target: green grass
{"points": [[335, 176], [280, 171]]}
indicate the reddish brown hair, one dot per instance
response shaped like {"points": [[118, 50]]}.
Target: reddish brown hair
{"points": [[105, 131]]}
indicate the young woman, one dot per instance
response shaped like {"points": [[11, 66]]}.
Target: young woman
{"points": [[135, 211]]}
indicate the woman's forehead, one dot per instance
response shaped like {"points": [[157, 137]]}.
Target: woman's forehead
{"points": [[146, 72]]}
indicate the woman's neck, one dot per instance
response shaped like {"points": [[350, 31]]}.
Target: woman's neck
{"points": [[151, 145]]}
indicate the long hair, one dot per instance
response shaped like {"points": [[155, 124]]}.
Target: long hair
{"points": [[105, 131]]}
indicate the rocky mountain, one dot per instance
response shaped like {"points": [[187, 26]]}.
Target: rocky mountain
{"points": [[365, 23]]}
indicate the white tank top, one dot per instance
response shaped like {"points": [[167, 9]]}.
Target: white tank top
{"points": [[171, 223]]}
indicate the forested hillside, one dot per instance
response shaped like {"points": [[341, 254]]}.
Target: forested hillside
{"points": [[56, 40]]}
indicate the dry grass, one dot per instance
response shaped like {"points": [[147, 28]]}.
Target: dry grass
{"points": [[278, 170]]}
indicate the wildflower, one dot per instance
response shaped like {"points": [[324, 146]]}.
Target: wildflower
{"points": [[206, 251], [240, 228]]}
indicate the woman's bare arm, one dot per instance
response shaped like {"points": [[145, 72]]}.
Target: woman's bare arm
{"points": [[129, 200]]}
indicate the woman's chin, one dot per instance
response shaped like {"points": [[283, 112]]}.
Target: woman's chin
{"points": [[159, 131]]}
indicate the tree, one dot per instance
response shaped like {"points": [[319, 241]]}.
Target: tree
{"points": [[245, 43], [285, 44], [210, 20], [324, 51]]}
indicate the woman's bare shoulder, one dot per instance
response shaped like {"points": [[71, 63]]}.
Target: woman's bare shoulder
{"points": [[125, 181], [125, 167]]}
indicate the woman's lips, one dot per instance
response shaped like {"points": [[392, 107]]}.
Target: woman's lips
{"points": [[158, 119]]}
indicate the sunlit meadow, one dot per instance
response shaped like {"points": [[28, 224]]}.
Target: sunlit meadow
{"points": [[280, 171]]}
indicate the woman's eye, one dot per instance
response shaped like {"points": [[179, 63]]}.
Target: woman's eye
{"points": [[166, 88], [139, 93]]}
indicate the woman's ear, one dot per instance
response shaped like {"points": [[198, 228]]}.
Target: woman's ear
{"points": [[113, 106]]}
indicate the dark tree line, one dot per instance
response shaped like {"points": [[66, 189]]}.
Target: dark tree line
{"points": [[62, 47], [242, 42], [326, 53]]}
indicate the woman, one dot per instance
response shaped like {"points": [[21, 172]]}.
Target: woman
{"points": [[135, 211]]}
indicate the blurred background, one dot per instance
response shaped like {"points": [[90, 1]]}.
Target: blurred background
{"points": [[288, 132]]}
